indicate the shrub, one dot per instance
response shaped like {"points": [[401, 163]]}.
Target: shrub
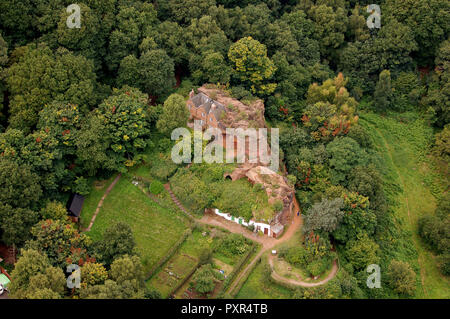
{"points": [[156, 187], [401, 278]]}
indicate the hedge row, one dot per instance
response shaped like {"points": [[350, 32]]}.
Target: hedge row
{"points": [[237, 268], [169, 255], [174, 290], [244, 279]]}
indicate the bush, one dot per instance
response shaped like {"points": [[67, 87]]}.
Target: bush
{"points": [[401, 278], [162, 167], [205, 256], [156, 187], [204, 279], [232, 245]]}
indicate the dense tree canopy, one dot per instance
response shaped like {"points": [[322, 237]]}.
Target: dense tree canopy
{"points": [[59, 75]]}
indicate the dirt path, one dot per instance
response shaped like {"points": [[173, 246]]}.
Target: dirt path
{"points": [[267, 242], [302, 283], [100, 203]]}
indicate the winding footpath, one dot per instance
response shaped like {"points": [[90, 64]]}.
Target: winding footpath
{"points": [[266, 242]]}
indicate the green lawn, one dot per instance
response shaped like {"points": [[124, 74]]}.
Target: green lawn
{"points": [[402, 148], [91, 201], [155, 228], [257, 287]]}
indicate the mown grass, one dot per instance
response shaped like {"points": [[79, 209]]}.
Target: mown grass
{"points": [[413, 185], [155, 228], [90, 203], [259, 287]]}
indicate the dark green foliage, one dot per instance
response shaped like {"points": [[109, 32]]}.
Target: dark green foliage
{"points": [[204, 279], [117, 241], [232, 245], [156, 187], [324, 216], [345, 154], [367, 181], [401, 278], [435, 231], [383, 92], [56, 75]]}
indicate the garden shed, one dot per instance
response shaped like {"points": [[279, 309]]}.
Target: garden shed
{"points": [[74, 206]]}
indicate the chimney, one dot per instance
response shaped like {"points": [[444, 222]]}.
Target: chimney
{"points": [[213, 106], [191, 94]]}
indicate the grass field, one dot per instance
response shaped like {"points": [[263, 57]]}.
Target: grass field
{"points": [[402, 147], [155, 228], [91, 201], [258, 287]]}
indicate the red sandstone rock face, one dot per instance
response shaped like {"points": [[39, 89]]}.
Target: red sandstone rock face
{"points": [[238, 115]]}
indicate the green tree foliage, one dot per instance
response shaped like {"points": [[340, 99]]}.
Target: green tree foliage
{"points": [[175, 114], [204, 279], [407, 91], [152, 73], [134, 21], [383, 92], [125, 121], [390, 49], [191, 191], [357, 218], [92, 145], [117, 241], [361, 252], [205, 256], [34, 277], [58, 75], [213, 68], [156, 187], [330, 26], [315, 257], [367, 181], [34, 153], [126, 281], [89, 40], [93, 274], [54, 210], [324, 216], [19, 184], [3, 62], [183, 11], [428, 20], [330, 110], [204, 37], [251, 65], [401, 278], [16, 224], [345, 154], [61, 242], [441, 147], [438, 95]]}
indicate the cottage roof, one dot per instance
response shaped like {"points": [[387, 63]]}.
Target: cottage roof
{"points": [[208, 104]]}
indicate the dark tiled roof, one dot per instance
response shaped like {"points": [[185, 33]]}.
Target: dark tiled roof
{"points": [[206, 102], [75, 204]]}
